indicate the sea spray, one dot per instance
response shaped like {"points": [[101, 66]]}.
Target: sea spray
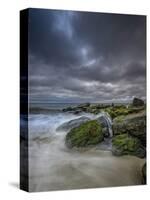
{"points": [[53, 166]]}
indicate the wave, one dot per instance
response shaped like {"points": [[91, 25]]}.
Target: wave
{"points": [[54, 167]]}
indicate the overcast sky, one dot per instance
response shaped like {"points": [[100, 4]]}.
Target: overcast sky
{"points": [[85, 56]]}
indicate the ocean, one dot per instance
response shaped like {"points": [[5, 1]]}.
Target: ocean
{"points": [[52, 166]]}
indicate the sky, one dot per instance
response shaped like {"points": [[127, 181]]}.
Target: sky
{"points": [[86, 57]]}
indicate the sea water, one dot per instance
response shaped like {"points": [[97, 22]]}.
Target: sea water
{"points": [[52, 166]]}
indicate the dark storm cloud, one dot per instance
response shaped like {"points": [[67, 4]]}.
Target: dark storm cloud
{"points": [[80, 56], [49, 37]]}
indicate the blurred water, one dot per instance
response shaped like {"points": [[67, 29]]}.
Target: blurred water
{"points": [[53, 167]]}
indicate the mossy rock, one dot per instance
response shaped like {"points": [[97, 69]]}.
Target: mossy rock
{"points": [[87, 134], [72, 124], [116, 111], [133, 124], [125, 144], [120, 119], [122, 110]]}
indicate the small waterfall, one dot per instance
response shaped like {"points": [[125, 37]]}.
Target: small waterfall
{"points": [[105, 119], [109, 123]]}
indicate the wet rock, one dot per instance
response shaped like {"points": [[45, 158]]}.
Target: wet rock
{"points": [[83, 105], [87, 134], [125, 144], [104, 124], [134, 125], [72, 124], [102, 120], [67, 109], [137, 102], [92, 109], [77, 111]]}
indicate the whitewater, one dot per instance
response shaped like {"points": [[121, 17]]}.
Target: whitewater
{"points": [[52, 166]]}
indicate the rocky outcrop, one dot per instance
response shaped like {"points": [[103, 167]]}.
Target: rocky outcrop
{"points": [[137, 102], [72, 124], [125, 144], [77, 109], [84, 105], [87, 134], [133, 124], [68, 109], [130, 135], [112, 109], [126, 128]]}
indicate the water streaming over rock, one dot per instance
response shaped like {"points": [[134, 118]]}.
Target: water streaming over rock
{"points": [[108, 120], [109, 123], [54, 167]]}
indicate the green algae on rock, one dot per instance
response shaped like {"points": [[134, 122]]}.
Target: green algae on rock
{"points": [[122, 110], [87, 134], [133, 124], [124, 144], [72, 124]]}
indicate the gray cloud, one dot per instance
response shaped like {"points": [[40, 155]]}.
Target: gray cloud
{"points": [[83, 56]]}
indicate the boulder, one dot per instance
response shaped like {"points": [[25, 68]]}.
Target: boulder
{"points": [[72, 124], [137, 102], [87, 134], [83, 105], [125, 144], [104, 124], [133, 124], [92, 109], [67, 109], [102, 120], [77, 109]]}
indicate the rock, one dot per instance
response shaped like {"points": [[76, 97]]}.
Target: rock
{"points": [[92, 109], [133, 124], [72, 124], [144, 174], [125, 144], [77, 111], [104, 124], [102, 120], [96, 108], [83, 105], [67, 109], [137, 102], [87, 134]]}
